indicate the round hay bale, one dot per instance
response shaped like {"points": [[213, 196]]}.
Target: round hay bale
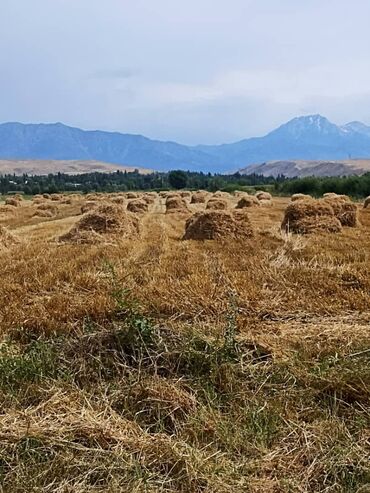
{"points": [[218, 225], [217, 204], [176, 205], [309, 216], [107, 219], [367, 202], [7, 238], [300, 196], [12, 201], [247, 201], [199, 197], [137, 206], [263, 195], [344, 210]]}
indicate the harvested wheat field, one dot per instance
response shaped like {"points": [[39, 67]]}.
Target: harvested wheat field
{"points": [[207, 352]]}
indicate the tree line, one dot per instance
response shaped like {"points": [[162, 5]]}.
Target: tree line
{"points": [[121, 181]]}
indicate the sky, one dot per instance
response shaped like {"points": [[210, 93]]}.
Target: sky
{"points": [[193, 71]]}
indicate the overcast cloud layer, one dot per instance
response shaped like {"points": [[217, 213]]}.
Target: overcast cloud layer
{"points": [[195, 71]]}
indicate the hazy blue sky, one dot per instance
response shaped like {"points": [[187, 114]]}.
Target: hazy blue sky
{"points": [[195, 71]]}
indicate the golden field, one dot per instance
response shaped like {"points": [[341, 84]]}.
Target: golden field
{"points": [[154, 364]]}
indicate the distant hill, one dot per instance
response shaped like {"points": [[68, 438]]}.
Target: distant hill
{"points": [[44, 167], [292, 169], [307, 138]]}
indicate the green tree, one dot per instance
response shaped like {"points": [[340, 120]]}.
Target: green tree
{"points": [[178, 179]]}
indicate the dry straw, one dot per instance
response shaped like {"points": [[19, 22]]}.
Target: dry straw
{"points": [[217, 225]]}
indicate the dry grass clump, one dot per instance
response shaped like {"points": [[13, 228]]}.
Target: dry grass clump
{"points": [[199, 197], [247, 201], [263, 195], [367, 202], [137, 206], [107, 219], [7, 238], [42, 213], [13, 202], [345, 210], [217, 225], [176, 204], [217, 204], [310, 216], [300, 196]]}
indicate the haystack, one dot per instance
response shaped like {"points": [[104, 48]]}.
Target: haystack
{"points": [[13, 202], [185, 195], [132, 195], [149, 199], [41, 213], [367, 202], [309, 216], [300, 196], [220, 194], [199, 197], [118, 199], [218, 225], [56, 197], [107, 219], [138, 206], [247, 201], [88, 206], [344, 210], [46, 195], [217, 204], [176, 205], [263, 195], [7, 239], [265, 203]]}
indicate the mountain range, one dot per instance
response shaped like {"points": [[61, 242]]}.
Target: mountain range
{"points": [[306, 138]]}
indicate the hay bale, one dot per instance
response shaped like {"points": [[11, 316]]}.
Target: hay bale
{"points": [[221, 195], [149, 199], [7, 238], [367, 202], [247, 201], [217, 204], [137, 206], [107, 219], [300, 196], [176, 205], [263, 195], [309, 216], [344, 210], [185, 195], [199, 197], [46, 196], [12, 201], [218, 225]]}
